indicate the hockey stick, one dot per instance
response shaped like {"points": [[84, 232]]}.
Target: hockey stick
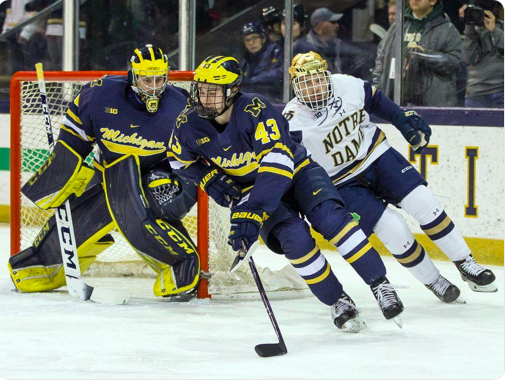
{"points": [[263, 350], [75, 284], [268, 350]]}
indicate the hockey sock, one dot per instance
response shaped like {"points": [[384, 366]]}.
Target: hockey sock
{"points": [[354, 246], [316, 272], [335, 224], [303, 253], [423, 205], [394, 233]]}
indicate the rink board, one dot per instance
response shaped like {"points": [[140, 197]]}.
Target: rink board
{"points": [[464, 166]]}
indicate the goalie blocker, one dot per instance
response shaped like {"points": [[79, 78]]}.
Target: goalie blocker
{"points": [[166, 247]]}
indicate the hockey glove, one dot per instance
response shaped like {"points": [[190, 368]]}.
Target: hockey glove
{"points": [[220, 187], [414, 129], [245, 225]]}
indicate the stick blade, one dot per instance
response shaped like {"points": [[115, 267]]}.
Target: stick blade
{"points": [[271, 350], [243, 257], [106, 296]]}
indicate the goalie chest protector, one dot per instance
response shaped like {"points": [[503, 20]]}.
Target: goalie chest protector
{"points": [[108, 112]]}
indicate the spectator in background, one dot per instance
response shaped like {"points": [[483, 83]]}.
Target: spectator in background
{"points": [[483, 50], [261, 65], [28, 46], [323, 36], [299, 38], [392, 12], [271, 22], [55, 32], [432, 56]]}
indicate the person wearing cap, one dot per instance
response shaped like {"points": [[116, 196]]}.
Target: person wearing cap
{"points": [[323, 36], [262, 63]]}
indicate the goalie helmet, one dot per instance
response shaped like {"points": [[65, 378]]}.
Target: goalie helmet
{"points": [[215, 85], [149, 75], [311, 80]]}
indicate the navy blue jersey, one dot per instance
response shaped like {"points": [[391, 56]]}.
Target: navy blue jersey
{"points": [[107, 112], [254, 148]]}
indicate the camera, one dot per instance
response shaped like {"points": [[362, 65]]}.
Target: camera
{"points": [[475, 11]]}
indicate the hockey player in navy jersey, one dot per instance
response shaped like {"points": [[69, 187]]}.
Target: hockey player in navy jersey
{"points": [[132, 189], [237, 147], [330, 117]]}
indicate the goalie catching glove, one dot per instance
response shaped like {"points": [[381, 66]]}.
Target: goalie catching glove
{"points": [[245, 224], [220, 187], [59, 177], [415, 130]]}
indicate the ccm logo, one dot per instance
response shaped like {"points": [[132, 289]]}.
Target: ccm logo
{"points": [[407, 168]]}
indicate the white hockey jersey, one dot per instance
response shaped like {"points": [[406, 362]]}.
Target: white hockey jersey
{"points": [[340, 137]]}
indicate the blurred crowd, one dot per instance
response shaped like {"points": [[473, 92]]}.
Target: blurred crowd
{"points": [[453, 53]]}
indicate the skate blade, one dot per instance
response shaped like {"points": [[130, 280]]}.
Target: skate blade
{"points": [[354, 325], [488, 288], [398, 321]]}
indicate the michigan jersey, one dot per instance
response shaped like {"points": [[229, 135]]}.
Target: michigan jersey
{"points": [[340, 137], [254, 148], [108, 113]]}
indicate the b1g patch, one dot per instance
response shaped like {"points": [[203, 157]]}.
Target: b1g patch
{"points": [[110, 110]]}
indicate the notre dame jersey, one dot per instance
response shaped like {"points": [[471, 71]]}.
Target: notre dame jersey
{"points": [[254, 149], [108, 113], [341, 137]]}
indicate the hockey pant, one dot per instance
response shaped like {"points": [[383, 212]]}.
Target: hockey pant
{"points": [[314, 195]]}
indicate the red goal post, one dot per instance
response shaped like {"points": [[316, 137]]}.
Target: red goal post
{"points": [[18, 102]]}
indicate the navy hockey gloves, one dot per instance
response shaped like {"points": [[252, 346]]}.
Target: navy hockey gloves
{"points": [[220, 187], [414, 129], [245, 225]]}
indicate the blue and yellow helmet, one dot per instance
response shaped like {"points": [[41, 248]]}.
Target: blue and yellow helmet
{"points": [[214, 73], [149, 74]]}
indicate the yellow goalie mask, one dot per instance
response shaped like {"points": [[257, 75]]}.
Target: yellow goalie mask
{"points": [[311, 80], [149, 75], [216, 83]]}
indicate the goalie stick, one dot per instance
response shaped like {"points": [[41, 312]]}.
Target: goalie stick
{"points": [[75, 284], [263, 350]]}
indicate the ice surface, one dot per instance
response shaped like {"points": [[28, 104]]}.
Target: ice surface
{"points": [[53, 336]]}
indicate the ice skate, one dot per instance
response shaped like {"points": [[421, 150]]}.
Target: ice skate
{"points": [[389, 302], [346, 316], [479, 278], [445, 291]]}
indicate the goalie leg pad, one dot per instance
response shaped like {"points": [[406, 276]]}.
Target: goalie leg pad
{"points": [[39, 267], [130, 210], [29, 273], [59, 177], [182, 277]]}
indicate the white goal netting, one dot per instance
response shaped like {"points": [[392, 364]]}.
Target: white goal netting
{"points": [[120, 259]]}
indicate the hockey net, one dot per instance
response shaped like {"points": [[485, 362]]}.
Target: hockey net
{"points": [[207, 223]]}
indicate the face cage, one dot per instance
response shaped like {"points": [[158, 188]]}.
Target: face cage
{"points": [[316, 85], [221, 103], [156, 92]]}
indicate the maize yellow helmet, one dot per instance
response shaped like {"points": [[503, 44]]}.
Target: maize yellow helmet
{"points": [[149, 75], [215, 85], [311, 80]]}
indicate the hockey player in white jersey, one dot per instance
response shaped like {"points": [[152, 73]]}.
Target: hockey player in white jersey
{"points": [[330, 117]]}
